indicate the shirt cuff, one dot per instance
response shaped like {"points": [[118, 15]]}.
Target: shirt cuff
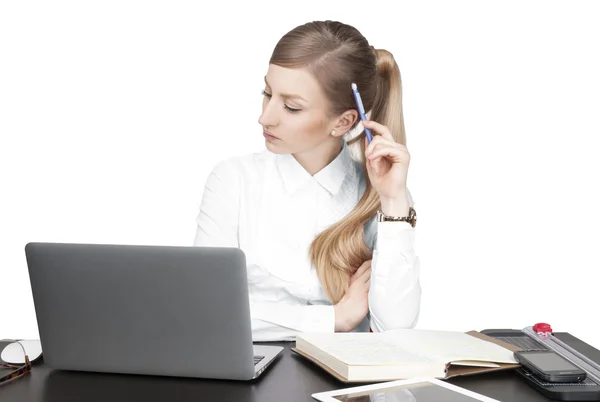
{"points": [[395, 247], [302, 318], [395, 236], [318, 318]]}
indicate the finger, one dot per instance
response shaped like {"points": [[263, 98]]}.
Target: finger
{"points": [[362, 280], [370, 167], [373, 167], [389, 151], [379, 145], [379, 129], [374, 164], [365, 265], [365, 275], [377, 142], [359, 272], [394, 154]]}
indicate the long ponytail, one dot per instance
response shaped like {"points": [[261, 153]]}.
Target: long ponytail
{"points": [[340, 249]]}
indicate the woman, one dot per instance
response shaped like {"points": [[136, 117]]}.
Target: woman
{"points": [[328, 235]]}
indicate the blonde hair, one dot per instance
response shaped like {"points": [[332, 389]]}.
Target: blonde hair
{"points": [[337, 55]]}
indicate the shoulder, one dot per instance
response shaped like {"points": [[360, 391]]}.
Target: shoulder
{"points": [[233, 174], [240, 165]]}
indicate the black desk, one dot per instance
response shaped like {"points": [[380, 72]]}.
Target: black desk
{"points": [[291, 378]]}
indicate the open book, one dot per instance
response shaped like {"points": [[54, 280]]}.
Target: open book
{"points": [[405, 353]]}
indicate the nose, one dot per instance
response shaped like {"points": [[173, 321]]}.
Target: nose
{"points": [[268, 117]]}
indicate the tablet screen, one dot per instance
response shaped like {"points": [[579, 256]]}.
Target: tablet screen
{"points": [[417, 392]]}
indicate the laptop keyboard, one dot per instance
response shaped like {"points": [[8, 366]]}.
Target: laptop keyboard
{"points": [[257, 359]]}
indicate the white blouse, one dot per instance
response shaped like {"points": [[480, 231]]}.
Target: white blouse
{"points": [[269, 206]]}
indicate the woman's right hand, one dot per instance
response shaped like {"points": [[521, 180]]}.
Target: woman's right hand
{"points": [[354, 306]]}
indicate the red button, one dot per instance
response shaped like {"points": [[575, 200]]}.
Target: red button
{"points": [[542, 327]]}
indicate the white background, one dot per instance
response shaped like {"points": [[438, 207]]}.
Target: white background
{"points": [[113, 113]]}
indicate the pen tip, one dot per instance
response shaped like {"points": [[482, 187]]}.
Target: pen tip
{"points": [[354, 86]]}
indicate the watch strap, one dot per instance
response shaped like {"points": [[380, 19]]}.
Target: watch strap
{"points": [[411, 218]]}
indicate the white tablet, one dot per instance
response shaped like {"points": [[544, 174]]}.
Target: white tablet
{"points": [[413, 390]]}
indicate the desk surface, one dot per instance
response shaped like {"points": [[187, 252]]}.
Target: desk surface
{"points": [[291, 378]]}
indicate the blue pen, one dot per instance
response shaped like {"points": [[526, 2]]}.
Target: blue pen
{"points": [[361, 110]]}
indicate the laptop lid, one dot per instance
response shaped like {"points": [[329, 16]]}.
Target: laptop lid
{"points": [[160, 310]]}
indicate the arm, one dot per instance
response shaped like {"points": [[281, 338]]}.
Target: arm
{"points": [[395, 291], [217, 220], [273, 321]]}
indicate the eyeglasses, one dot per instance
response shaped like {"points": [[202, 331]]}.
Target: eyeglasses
{"points": [[18, 371]]}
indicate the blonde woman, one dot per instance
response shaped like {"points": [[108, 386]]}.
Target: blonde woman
{"points": [[324, 217]]}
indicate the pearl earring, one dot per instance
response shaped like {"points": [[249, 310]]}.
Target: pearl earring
{"points": [[332, 132]]}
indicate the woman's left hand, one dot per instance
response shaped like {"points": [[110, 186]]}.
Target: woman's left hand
{"points": [[387, 163]]}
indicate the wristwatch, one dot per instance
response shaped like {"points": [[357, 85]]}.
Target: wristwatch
{"points": [[411, 218]]}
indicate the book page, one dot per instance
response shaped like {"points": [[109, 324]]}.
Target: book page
{"points": [[474, 363], [449, 346], [364, 349]]}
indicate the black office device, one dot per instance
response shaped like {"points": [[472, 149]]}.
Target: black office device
{"points": [[541, 338], [550, 366]]}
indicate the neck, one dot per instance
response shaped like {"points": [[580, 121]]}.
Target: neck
{"points": [[315, 159]]}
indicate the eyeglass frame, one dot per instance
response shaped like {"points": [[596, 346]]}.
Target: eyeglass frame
{"points": [[19, 370]]}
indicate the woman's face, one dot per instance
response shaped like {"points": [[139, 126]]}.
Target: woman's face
{"points": [[294, 111]]}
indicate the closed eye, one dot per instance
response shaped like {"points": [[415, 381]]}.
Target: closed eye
{"points": [[289, 109]]}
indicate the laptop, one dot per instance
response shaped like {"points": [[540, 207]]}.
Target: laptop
{"points": [[154, 310]]}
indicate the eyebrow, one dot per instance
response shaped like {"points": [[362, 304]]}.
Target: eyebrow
{"points": [[288, 96]]}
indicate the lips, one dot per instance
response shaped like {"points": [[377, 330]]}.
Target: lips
{"points": [[266, 133]]}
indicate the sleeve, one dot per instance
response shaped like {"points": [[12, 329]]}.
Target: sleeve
{"points": [[395, 291], [218, 218], [271, 318]]}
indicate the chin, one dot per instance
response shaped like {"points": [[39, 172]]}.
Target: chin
{"points": [[274, 148]]}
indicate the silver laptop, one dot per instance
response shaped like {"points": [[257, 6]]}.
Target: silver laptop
{"points": [[156, 310]]}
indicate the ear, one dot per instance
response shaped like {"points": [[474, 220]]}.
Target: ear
{"points": [[345, 122]]}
